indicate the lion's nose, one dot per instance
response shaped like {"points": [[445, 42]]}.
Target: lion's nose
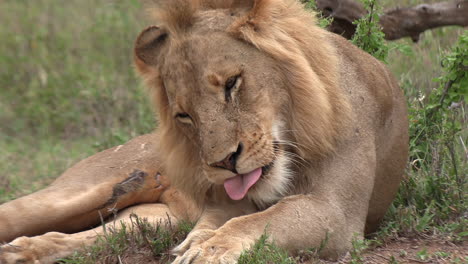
{"points": [[229, 162]]}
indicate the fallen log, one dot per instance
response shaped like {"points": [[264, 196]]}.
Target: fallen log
{"points": [[398, 22]]}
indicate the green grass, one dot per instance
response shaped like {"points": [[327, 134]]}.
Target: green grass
{"points": [[67, 86], [133, 243], [68, 89]]}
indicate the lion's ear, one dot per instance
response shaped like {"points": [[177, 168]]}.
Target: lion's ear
{"points": [[264, 10], [148, 47], [261, 14]]}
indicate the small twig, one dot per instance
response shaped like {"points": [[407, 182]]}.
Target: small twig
{"points": [[419, 261], [464, 147], [447, 87], [103, 224], [454, 164], [371, 14], [452, 149], [169, 221], [382, 256]]}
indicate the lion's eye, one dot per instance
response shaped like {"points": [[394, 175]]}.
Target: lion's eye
{"points": [[182, 115], [184, 118], [230, 84]]}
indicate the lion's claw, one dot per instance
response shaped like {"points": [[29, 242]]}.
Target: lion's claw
{"points": [[195, 238], [212, 255], [219, 249], [14, 254]]}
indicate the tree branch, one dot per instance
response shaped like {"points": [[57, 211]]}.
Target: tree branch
{"points": [[399, 22]]}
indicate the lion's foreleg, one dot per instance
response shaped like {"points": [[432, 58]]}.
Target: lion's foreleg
{"points": [[295, 223], [71, 208], [52, 209], [211, 219], [113, 179], [52, 246]]}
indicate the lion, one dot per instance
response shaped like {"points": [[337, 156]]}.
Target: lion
{"points": [[267, 124]]}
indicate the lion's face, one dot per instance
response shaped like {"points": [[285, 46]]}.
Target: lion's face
{"points": [[239, 91], [230, 104]]}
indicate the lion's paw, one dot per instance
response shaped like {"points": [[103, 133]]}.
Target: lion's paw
{"points": [[194, 238], [219, 249], [40, 249], [18, 252]]}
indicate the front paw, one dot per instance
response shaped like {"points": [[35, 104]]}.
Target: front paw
{"points": [[220, 248], [194, 238]]}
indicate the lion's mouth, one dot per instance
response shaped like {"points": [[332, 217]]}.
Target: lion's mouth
{"points": [[237, 187], [266, 169]]}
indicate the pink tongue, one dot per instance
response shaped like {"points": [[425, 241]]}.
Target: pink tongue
{"points": [[238, 186]]}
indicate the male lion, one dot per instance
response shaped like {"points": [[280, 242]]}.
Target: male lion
{"points": [[268, 123]]}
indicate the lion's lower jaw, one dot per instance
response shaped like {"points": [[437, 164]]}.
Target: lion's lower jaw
{"points": [[273, 186]]}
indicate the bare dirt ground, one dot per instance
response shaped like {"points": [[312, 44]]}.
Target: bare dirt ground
{"points": [[415, 250]]}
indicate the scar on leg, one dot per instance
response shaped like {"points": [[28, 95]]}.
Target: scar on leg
{"points": [[133, 183]]}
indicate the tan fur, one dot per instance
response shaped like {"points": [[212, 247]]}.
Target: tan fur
{"points": [[302, 54], [339, 115], [92, 190], [327, 119]]}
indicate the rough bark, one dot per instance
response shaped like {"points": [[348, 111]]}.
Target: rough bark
{"points": [[398, 22], [403, 22], [343, 12]]}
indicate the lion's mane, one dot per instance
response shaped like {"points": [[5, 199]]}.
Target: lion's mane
{"points": [[285, 31]]}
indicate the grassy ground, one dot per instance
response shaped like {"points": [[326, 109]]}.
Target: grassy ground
{"points": [[68, 89]]}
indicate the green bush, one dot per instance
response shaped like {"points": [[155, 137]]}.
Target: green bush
{"points": [[432, 196]]}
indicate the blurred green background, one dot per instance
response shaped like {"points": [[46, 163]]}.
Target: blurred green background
{"points": [[67, 86]]}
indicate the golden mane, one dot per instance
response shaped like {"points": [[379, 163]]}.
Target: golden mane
{"points": [[287, 32], [179, 15]]}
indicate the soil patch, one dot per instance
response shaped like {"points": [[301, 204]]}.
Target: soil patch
{"points": [[414, 250]]}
